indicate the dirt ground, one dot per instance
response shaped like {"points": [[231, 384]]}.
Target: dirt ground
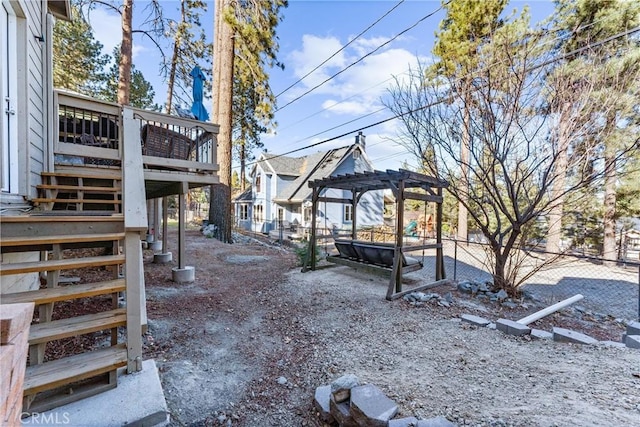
{"points": [[226, 343]]}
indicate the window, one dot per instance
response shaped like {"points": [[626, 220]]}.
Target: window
{"points": [[258, 214], [348, 213], [258, 183], [244, 212]]}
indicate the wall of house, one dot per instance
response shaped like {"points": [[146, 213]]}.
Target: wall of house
{"points": [[260, 199]]}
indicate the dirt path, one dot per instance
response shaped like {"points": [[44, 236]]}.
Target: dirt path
{"points": [[226, 343]]}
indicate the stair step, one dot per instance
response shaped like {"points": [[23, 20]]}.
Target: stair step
{"points": [[60, 264], [71, 327], [65, 293], [61, 216], [48, 240], [78, 188], [98, 174], [84, 201], [50, 375]]}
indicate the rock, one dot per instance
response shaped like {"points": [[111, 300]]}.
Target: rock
{"points": [[341, 414], [510, 304], [321, 402], [282, 380], [403, 422], [448, 297], [566, 335], [633, 341], [370, 407], [341, 387], [474, 320], [464, 286], [502, 295], [512, 328], [633, 328], [438, 421], [443, 303], [484, 288]]}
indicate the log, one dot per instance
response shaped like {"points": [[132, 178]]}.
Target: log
{"points": [[550, 310]]}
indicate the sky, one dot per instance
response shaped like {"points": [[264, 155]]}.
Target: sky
{"points": [[309, 34]]}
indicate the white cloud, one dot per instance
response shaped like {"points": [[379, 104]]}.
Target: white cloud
{"points": [[106, 28], [314, 51], [347, 107]]}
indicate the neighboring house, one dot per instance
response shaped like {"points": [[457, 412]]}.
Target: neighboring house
{"points": [[280, 193], [76, 174]]}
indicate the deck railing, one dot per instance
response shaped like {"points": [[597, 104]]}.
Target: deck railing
{"points": [[91, 131]]}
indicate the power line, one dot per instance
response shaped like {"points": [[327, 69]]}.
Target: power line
{"points": [[364, 57], [342, 48], [440, 101]]}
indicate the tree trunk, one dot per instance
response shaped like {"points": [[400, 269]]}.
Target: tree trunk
{"points": [[554, 233], [223, 96], [609, 222], [124, 82], [174, 62], [243, 160]]}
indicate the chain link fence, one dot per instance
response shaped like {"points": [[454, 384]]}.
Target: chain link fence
{"points": [[609, 290]]}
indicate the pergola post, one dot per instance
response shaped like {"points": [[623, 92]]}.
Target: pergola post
{"points": [[311, 251], [354, 203], [396, 276]]}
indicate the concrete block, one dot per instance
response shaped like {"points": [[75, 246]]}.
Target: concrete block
{"points": [[183, 275], [540, 334], [512, 328], [404, 422], [341, 414], [633, 341], [566, 335], [475, 320], [370, 407], [162, 258], [438, 421], [341, 388], [321, 402], [633, 328], [491, 326], [138, 401], [613, 344]]}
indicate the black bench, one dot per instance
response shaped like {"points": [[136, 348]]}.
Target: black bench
{"points": [[373, 254]]}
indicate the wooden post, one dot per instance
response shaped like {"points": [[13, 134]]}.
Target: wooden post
{"points": [[395, 282], [354, 227], [134, 283], [312, 241], [165, 228], [440, 273], [182, 263]]}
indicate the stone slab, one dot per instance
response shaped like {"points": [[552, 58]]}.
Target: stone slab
{"points": [[404, 422], [510, 327], [475, 320], [633, 328], [633, 341], [370, 407], [438, 421], [321, 402], [567, 335], [540, 334], [138, 401], [341, 387], [341, 413]]}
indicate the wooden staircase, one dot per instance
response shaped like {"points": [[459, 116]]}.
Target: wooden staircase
{"points": [[79, 234]]}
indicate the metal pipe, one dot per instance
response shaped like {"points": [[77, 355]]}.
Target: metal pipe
{"points": [[549, 310]]}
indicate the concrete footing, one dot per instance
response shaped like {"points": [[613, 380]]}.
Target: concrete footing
{"points": [[633, 341], [156, 245], [162, 258], [183, 275], [510, 327], [566, 335]]}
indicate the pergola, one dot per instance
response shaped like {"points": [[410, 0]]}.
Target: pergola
{"points": [[403, 184]]}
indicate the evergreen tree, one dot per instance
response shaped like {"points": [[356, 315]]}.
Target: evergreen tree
{"points": [[467, 27], [141, 92], [190, 48], [77, 59]]}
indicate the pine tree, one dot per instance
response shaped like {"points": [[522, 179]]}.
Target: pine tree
{"points": [[141, 92], [464, 30], [190, 48], [77, 59]]}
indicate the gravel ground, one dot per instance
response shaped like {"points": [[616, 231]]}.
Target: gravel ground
{"points": [[223, 342]]}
